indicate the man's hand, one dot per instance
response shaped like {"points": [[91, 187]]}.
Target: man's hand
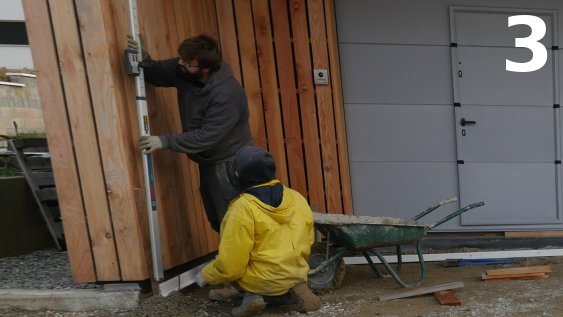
{"points": [[133, 44], [150, 143], [200, 280]]}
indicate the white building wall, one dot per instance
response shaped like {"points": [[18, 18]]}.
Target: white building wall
{"points": [[14, 56], [11, 10]]}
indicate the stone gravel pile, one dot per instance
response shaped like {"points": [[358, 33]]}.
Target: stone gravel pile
{"points": [[44, 269]]}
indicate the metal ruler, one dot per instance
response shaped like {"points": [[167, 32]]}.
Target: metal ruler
{"points": [[143, 117]]}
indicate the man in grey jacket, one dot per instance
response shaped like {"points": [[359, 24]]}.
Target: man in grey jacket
{"points": [[214, 116]]}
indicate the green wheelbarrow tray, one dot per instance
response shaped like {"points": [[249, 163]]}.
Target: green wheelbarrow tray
{"points": [[363, 234]]}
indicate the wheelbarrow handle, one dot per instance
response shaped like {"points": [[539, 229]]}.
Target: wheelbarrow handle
{"points": [[427, 211], [456, 213]]}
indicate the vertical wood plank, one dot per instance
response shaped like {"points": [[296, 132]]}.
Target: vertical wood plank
{"points": [[39, 30], [301, 47], [228, 36], [157, 20], [119, 26], [200, 217], [116, 14], [104, 64], [250, 75], [194, 17], [338, 100], [210, 26], [268, 80], [324, 108], [210, 18], [184, 25], [173, 204], [85, 144], [193, 12], [288, 91]]}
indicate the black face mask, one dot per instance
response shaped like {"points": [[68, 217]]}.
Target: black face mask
{"points": [[187, 76]]}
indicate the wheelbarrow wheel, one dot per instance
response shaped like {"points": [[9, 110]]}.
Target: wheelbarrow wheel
{"points": [[331, 276]]}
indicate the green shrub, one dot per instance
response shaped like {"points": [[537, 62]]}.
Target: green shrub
{"points": [[9, 171]]}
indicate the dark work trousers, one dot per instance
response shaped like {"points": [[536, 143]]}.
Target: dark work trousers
{"points": [[218, 186]]}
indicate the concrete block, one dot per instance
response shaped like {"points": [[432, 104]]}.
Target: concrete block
{"points": [[69, 300], [4, 101], [4, 91], [121, 287]]}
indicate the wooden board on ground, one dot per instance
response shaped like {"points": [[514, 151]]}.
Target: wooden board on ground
{"points": [[528, 276], [421, 291], [447, 298], [534, 234], [520, 270], [517, 273]]}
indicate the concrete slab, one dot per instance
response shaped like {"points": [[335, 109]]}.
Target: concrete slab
{"points": [[123, 297]]}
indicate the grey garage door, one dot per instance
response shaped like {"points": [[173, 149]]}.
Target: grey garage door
{"points": [[407, 89]]}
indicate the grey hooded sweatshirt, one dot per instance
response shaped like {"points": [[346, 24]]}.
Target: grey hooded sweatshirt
{"points": [[214, 115]]}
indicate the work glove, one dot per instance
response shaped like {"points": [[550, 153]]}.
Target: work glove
{"points": [[133, 44], [200, 280], [150, 143]]}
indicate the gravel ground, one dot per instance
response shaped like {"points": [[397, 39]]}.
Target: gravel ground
{"points": [[357, 296], [44, 269], [50, 269]]}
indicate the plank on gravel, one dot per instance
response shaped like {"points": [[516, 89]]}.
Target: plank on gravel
{"points": [[421, 291], [520, 270], [447, 298], [534, 234], [527, 276]]}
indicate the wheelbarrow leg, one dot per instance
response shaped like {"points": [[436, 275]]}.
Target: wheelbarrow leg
{"points": [[375, 270], [373, 266], [395, 275], [399, 259]]}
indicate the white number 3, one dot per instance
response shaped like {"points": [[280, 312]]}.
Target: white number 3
{"points": [[539, 53]]}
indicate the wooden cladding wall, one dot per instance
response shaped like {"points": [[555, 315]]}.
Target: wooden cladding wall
{"points": [[90, 118]]}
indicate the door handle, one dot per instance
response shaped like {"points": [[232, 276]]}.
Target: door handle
{"points": [[463, 122]]}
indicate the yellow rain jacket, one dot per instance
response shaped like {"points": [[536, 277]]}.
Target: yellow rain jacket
{"points": [[264, 248]]}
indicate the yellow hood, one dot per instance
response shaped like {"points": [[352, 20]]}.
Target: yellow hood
{"points": [[282, 213]]}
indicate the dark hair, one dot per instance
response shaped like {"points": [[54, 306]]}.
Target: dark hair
{"points": [[202, 48]]}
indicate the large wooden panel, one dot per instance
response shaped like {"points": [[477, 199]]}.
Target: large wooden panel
{"points": [[44, 54], [272, 47], [86, 147], [102, 58], [175, 214]]}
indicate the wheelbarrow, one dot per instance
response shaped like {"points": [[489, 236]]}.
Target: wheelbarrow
{"points": [[351, 235]]}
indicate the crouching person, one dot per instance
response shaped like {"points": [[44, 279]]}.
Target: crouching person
{"points": [[266, 239]]}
